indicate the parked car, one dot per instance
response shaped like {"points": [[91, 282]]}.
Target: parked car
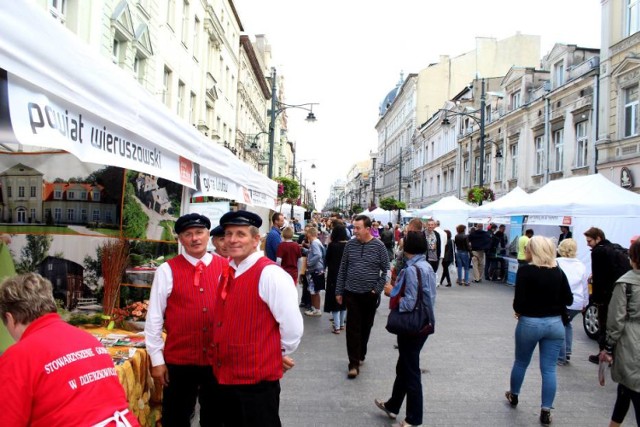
{"points": [[590, 321], [590, 318]]}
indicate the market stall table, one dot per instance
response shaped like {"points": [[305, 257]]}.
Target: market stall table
{"points": [[133, 366]]}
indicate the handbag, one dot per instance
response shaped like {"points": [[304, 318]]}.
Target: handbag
{"points": [[417, 322]]}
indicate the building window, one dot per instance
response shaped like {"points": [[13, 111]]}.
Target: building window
{"points": [[196, 37], [539, 155], [96, 215], [58, 9], [171, 13], [487, 168], [185, 22], [476, 170], [465, 167], [95, 195], [22, 215], [558, 74], [500, 167], [558, 150], [83, 195], [116, 51], [515, 100], [71, 195], [107, 217], [445, 181], [581, 144], [21, 192], [32, 214], [180, 99], [57, 194], [192, 108], [83, 215], [166, 86], [451, 179], [139, 67], [631, 111], [70, 215], [33, 191], [633, 16], [9, 191], [57, 214], [513, 153]]}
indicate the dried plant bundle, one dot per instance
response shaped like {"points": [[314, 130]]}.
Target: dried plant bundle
{"points": [[115, 257]]}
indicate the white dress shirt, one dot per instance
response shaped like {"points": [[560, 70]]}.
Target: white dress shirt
{"points": [[277, 290], [160, 292]]}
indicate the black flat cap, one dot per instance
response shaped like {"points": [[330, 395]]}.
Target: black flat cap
{"points": [[191, 220], [240, 218], [217, 231]]}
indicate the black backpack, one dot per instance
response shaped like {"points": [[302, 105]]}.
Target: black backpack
{"points": [[619, 260]]}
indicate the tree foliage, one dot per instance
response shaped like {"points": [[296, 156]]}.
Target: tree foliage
{"points": [[479, 194], [34, 252], [288, 189], [133, 217], [391, 204]]}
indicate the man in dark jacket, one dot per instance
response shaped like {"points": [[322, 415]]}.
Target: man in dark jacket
{"points": [[387, 238], [603, 277], [480, 241]]}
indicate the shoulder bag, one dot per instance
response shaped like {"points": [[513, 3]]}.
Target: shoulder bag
{"points": [[417, 322]]}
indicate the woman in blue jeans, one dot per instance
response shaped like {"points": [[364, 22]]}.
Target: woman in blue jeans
{"points": [[541, 297], [463, 254], [408, 381]]}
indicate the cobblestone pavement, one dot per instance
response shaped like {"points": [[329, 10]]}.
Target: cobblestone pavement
{"points": [[466, 366]]}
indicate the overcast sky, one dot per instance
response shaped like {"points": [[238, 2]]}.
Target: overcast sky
{"points": [[347, 55]]}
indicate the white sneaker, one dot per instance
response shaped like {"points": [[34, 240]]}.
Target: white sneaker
{"points": [[313, 312]]}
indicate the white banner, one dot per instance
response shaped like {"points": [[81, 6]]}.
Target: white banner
{"points": [[547, 220], [44, 120]]}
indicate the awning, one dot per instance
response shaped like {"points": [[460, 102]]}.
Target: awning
{"points": [[57, 93]]}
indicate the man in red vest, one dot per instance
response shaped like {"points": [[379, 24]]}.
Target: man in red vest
{"points": [[182, 301], [257, 325]]}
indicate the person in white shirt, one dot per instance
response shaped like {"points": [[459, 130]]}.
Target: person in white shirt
{"points": [[576, 273]]}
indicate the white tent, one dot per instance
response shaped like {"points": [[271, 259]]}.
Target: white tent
{"points": [[298, 211], [580, 203], [57, 92], [450, 211], [381, 215], [515, 197]]}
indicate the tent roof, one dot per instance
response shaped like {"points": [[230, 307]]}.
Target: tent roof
{"points": [[591, 195], [515, 197], [64, 80], [449, 204]]}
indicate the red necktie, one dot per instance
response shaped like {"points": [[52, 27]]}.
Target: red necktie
{"points": [[231, 274], [199, 270]]}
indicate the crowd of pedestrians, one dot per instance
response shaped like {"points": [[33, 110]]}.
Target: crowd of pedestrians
{"points": [[231, 318]]}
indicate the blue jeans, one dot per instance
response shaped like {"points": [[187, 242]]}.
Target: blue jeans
{"points": [[462, 262], [338, 318], [565, 350], [548, 333], [408, 379]]}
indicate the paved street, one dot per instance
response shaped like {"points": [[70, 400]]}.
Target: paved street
{"points": [[467, 362]]}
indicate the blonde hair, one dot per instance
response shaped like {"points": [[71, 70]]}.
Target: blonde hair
{"points": [[568, 248], [27, 297], [312, 231], [287, 233], [543, 251]]}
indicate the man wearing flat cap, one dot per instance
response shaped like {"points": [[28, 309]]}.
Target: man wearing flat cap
{"points": [[182, 302], [217, 240], [257, 325]]}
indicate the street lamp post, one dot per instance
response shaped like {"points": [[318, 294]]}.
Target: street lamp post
{"points": [[481, 123], [382, 166], [278, 107], [293, 172]]}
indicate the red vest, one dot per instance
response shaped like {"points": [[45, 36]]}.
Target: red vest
{"points": [[189, 313], [246, 339]]}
